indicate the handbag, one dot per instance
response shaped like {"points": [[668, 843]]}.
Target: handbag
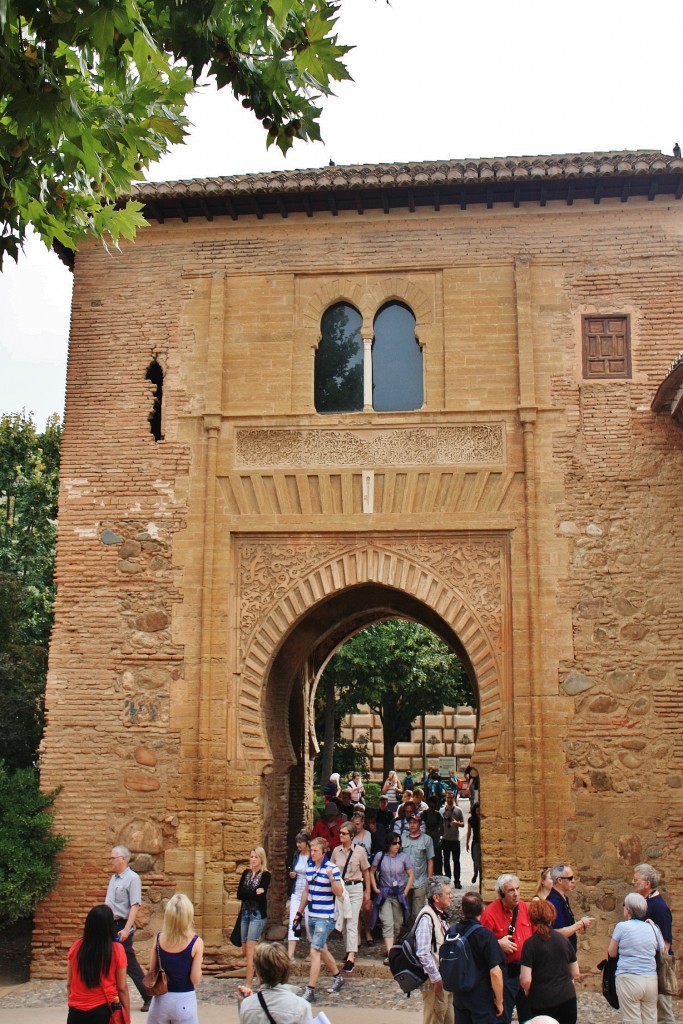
{"points": [[667, 982], [155, 981], [342, 904], [608, 966], [118, 1014], [236, 933]]}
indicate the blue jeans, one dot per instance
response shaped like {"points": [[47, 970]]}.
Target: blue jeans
{"points": [[320, 929], [251, 924]]}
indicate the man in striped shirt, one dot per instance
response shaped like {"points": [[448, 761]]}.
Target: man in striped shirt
{"points": [[323, 884]]}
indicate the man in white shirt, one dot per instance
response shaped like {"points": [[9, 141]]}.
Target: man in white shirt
{"points": [[124, 898]]}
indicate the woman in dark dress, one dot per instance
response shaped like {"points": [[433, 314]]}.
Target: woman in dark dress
{"points": [[549, 967]]}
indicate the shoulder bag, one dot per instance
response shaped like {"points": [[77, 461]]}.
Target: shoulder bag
{"points": [[342, 904], [264, 1007], [667, 982], [155, 981]]}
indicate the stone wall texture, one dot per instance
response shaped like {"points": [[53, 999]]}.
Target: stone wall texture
{"points": [[204, 579]]}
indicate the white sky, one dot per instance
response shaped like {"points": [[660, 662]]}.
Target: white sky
{"points": [[432, 79]]}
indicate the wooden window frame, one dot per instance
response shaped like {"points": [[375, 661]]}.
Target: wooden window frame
{"points": [[586, 320]]}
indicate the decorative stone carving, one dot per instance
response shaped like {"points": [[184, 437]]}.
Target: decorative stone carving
{"points": [[464, 579], [479, 443]]}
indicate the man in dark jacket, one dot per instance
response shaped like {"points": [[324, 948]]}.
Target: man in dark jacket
{"points": [[484, 1003]]}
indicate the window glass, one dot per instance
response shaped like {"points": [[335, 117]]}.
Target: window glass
{"points": [[339, 361], [396, 361]]}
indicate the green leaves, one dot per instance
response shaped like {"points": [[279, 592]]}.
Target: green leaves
{"points": [[91, 94], [28, 847]]}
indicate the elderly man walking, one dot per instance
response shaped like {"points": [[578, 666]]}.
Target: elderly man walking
{"points": [[124, 898], [646, 882], [508, 919], [431, 926]]}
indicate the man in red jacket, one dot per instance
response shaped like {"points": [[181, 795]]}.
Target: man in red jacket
{"points": [[328, 826], [508, 919]]}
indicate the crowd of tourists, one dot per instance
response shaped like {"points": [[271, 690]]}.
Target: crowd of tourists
{"points": [[389, 869]]}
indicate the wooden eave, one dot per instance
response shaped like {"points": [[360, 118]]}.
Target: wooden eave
{"points": [[669, 396], [333, 201]]}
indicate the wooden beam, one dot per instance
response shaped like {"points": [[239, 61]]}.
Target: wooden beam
{"points": [[489, 198], [463, 200], [516, 197], [360, 209], [156, 212], [598, 193], [571, 192], [182, 212], [307, 206], [653, 190], [411, 200], [204, 206], [436, 199], [679, 187], [258, 210], [281, 207], [332, 203], [544, 195], [626, 191], [230, 207], [385, 200]]}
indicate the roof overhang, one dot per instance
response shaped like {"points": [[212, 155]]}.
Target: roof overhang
{"points": [[669, 397]]}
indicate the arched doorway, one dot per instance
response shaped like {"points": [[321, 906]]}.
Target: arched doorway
{"points": [[301, 599]]}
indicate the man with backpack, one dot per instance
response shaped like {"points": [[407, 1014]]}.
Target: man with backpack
{"points": [[430, 930], [470, 966]]}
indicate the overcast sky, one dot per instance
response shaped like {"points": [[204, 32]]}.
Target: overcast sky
{"points": [[433, 79]]}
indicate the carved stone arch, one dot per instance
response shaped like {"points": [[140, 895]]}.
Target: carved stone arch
{"points": [[400, 289], [299, 577], [339, 289]]}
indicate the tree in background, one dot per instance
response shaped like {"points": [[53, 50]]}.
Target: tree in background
{"points": [[400, 670], [28, 847], [29, 481], [92, 93]]}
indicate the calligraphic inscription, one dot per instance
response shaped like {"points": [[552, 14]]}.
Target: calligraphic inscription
{"points": [[403, 446]]}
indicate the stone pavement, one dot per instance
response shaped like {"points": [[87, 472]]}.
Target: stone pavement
{"points": [[44, 1002]]}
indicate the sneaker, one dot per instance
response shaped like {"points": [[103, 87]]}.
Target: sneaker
{"points": [[337, 982], [309, 994], [349, 966]]}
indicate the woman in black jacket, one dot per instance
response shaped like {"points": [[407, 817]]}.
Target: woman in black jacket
{"points": [[252, 891]]}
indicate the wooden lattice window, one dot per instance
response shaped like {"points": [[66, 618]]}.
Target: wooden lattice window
{"points": [[606, 347]]}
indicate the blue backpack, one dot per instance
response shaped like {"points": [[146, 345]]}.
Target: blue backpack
{"points": [[457, 967]]}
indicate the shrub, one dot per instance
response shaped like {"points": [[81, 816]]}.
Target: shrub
{"points": [[28, 847]]}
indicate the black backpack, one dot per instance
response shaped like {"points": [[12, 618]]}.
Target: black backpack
{"points": [[457, 967], [403, 961]]}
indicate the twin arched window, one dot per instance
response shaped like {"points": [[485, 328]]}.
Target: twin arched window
{"points": [[393, 374]]}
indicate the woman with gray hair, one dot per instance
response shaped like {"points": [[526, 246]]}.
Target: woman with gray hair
{"points": [[635, 942]]}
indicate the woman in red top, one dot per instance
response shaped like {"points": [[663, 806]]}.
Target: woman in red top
{"points": [[96, 975]]}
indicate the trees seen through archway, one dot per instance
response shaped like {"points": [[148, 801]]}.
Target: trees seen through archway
{"points": [[400, 670]]}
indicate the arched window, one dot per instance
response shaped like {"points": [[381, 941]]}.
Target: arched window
{"points": [[156, 375], [397, 383], [338, 380]]}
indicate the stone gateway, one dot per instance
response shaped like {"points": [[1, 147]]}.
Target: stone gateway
{"points": [[307, 401]]}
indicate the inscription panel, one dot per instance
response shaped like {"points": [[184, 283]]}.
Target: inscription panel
{"points": [[469, 444]]}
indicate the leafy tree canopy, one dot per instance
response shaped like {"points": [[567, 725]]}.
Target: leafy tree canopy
{"points": [[401, 670], [29, 473], [92, 93]]}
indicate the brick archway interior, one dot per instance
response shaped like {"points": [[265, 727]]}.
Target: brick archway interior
{"points": [[301, 598]]}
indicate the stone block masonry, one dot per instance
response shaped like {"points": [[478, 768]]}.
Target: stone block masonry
{"points": [[205, 578]]}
